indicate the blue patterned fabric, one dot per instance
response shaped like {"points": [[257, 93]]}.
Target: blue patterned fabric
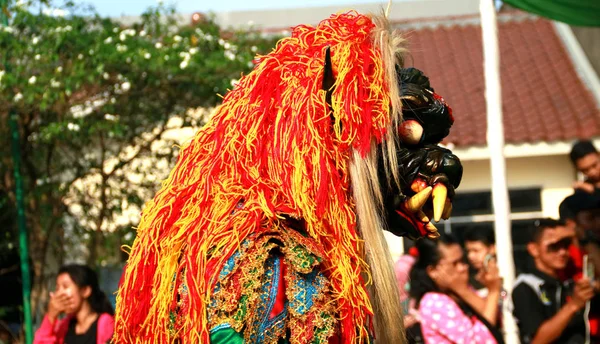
{"points": [[268, 327], [307, 287]]}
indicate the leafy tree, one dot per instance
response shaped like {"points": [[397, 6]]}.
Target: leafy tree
{"points": [[95, 102]]}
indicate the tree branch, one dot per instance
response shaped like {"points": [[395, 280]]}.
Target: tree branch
{"points": [[144, 147]]}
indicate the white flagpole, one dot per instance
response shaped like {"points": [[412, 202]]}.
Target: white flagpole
{"points": [[495, 139]]}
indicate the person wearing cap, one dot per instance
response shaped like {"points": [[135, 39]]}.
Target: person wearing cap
{"points": [[586, 160], [548, 310]]}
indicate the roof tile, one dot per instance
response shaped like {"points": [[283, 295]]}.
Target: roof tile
{"points": [[543, 97]]}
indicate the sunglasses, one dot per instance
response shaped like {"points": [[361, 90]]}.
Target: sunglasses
{"points": [[563, 244]]}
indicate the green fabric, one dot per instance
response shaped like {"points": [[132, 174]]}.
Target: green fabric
{"points": [[229, 336], [226, 336], [573, 12]]}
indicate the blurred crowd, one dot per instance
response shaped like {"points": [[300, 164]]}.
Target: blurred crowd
{"points": [[452, 291]]}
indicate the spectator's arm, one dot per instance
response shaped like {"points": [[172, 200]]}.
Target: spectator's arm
{"points": [[553, 327], [486, 307], [528, 310], [584, 186], [106, 326], [51, 331], [491, 311]]}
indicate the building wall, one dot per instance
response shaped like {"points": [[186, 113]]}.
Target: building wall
{"points": [[553, 174]]}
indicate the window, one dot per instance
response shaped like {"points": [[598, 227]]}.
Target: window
{"points": [[480, 203]]}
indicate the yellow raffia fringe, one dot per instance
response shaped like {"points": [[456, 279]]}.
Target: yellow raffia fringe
{"points": [[272, 149]]}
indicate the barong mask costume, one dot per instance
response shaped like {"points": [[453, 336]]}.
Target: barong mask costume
{"points": [[269, 228]]}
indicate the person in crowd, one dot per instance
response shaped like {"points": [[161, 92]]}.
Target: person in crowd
{"points": [[480, 245], [581, 214], [586, 160], [548, 310], [450, 311], [402, 269], [88, 315]]}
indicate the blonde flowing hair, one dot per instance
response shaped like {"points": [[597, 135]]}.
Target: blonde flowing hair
{"points": [[369, 200]]}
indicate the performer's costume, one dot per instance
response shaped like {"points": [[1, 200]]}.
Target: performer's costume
{"points": [[269, 228]]}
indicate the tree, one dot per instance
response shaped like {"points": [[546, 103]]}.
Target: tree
{"points": [[93, 99]]}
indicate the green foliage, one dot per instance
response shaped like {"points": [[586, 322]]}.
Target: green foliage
{"points": [[93, 97]]}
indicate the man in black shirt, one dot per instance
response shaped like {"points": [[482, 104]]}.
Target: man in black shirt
{"points": [[546, 309]]}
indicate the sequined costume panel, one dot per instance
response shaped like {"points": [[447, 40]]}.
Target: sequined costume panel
{"points": [[271, 290]]}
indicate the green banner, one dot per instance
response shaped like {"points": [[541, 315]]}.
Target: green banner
{"points": [[573, 12]]}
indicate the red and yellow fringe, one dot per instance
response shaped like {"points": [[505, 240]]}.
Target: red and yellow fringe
{"points": [[273, 146]]}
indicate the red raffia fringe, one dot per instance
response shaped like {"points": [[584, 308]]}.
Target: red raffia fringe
{"points": [[273, 145]]}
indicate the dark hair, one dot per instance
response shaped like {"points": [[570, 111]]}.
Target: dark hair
{"points": [[566, 209], [484, 235], [429, 255], [581, 149], [83, 276], [540, 225], [578, 202]]}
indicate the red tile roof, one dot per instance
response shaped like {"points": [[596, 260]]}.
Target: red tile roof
{"points": [[543, 97]]}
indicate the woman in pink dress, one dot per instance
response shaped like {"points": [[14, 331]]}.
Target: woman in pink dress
{"points": [[449, 309]]}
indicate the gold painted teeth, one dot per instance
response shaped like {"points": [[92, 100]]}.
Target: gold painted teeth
{"points": [[440, 193], [422, 217], [416, 202], [433, 232], [442, 205], [447, 210]]}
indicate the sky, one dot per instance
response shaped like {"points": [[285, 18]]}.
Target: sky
{"points": [[136, 7]]}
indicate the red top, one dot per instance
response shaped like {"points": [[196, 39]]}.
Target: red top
{"points": [[574, 271], [49, 333], [574, 268]]}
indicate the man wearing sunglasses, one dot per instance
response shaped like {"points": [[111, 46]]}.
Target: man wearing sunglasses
{"points": [[547, 309]]}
